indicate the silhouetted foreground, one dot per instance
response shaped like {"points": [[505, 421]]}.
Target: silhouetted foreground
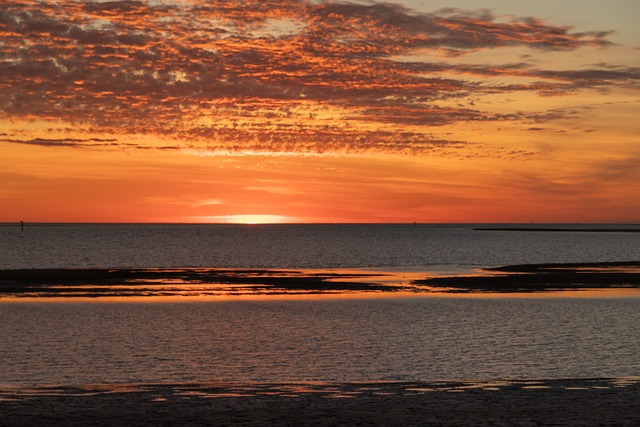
{"points": [[543, 277], [579, 402], [178, 281], [213, 282]]}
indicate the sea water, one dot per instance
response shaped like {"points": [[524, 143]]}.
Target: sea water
{"points": [[343, 339], [450, 247], [275, 341]]}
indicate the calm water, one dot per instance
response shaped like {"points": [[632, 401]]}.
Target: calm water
{"points": [[318, 340], [425, 247], [277, 340]]}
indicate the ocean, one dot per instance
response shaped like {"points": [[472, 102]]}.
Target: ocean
{"points": [[278, 339], [425, 247]]}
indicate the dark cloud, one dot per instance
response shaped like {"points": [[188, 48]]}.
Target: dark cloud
{"points": [[84, 143], [66, 142], [326, 140], [233, 73]]}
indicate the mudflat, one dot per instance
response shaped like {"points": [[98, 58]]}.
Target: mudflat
{"points": [[541, 277], [213, 281], [567, 402]]}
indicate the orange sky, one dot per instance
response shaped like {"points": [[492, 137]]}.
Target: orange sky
{"points": [[312, 111]]}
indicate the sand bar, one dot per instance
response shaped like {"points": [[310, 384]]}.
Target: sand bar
{"points": [[149, 282], [542, 277], [128, 282], [575, 402]]}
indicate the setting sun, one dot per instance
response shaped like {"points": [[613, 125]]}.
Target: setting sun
{"points": [[251, 219]]}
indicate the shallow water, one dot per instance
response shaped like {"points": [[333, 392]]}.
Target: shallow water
{"points": [[431, 247], [313, 339], [318, 340]]}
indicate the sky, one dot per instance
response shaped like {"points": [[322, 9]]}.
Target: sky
{"points": [[253, 111]]}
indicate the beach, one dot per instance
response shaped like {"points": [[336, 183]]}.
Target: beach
{"points": [[584, 402]]}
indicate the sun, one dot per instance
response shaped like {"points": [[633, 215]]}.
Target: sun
{"points": [[243, 219], [256, 219]]}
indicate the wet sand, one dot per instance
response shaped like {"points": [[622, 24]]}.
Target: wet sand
{"points": [[125, 282], [93, 283], [542, 278], [595, 402]]}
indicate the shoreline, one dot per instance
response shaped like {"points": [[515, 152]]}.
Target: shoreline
{"points": [[543, 278], [218, 282], [153, 282], [585, 402]]}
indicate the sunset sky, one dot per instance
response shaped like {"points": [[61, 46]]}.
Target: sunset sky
{"points": [[320, 111]]}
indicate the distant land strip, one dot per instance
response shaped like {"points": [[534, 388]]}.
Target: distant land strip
{"points": [[579, 230]]}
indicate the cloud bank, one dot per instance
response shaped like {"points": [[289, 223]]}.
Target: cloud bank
{"points": [[274, 75]]}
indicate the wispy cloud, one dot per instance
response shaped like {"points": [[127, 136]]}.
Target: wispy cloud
{"points": [[66, 142], [275, 75], [86, 143]]}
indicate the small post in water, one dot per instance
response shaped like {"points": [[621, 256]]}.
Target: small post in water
{"points": [[21, 225]]}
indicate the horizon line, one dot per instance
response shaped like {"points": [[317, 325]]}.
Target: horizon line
{"points": [[18, 223]]}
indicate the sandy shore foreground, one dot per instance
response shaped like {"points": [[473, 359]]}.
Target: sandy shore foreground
{"points": [[597, 402]]}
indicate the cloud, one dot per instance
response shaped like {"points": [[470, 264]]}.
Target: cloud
{"points": [[84, 143], [66, 142], [275, 75]]}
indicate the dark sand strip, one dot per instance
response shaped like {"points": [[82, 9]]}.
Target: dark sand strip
{"points": [[597, 402], [217, 282], [180, 282], [542, 277]]}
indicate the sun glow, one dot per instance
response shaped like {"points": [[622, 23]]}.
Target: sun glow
{"points": [[257, 219], [248, 219]]}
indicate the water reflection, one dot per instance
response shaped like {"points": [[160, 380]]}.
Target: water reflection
{"points": [[187, 297]]}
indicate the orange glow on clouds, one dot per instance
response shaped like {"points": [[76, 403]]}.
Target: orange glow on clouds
{"points": [[314, 111]]}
